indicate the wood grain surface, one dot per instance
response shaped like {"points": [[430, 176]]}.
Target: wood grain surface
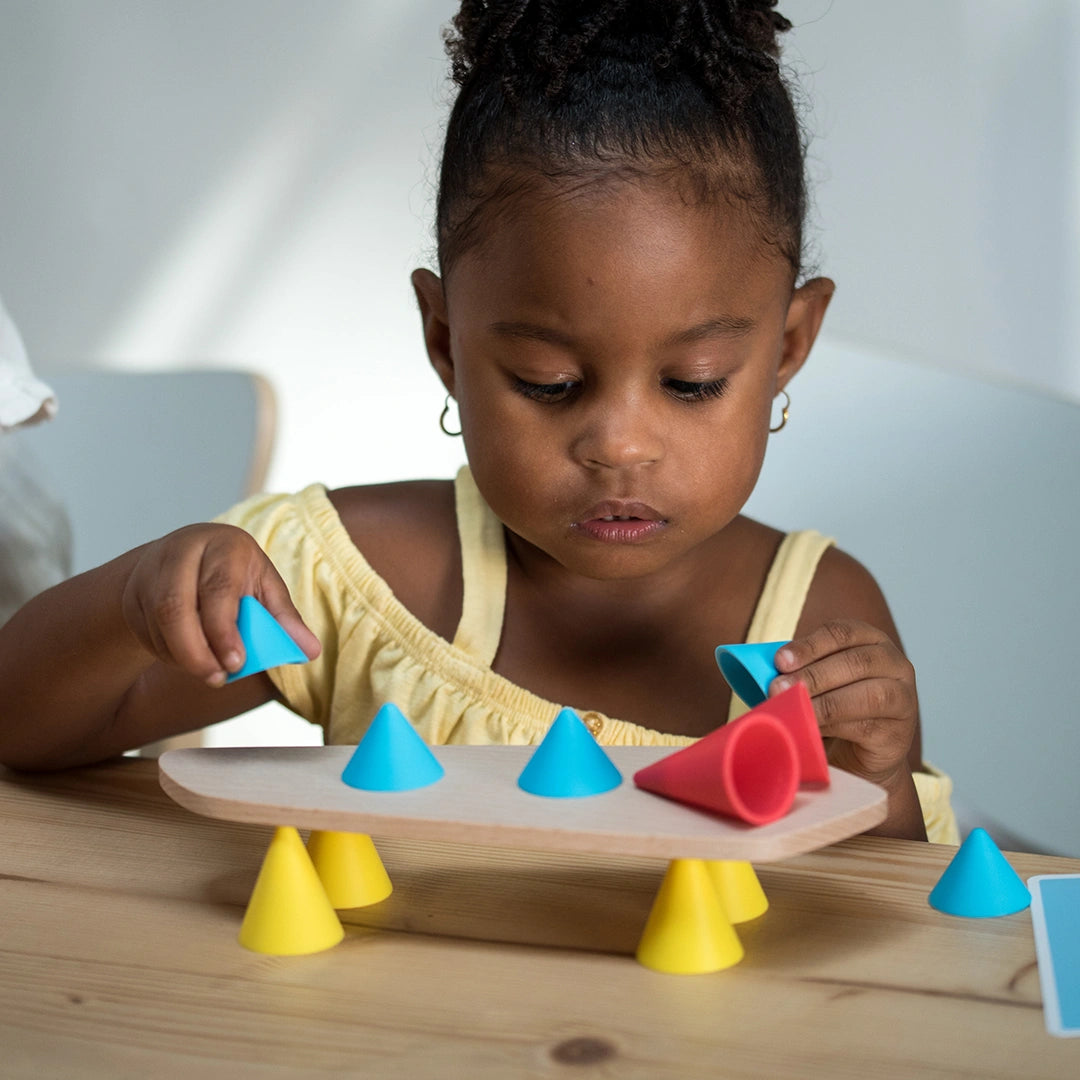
{"points": [[119, 912]]}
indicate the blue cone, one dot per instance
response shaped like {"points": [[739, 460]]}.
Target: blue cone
{"points": [[569, 762], [266, 645], [391, 756], [749, 668], [979, 883]]}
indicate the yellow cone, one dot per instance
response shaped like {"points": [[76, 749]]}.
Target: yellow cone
{"points": [[687, 932], [349, 867], [740, 892], [289, 913]]}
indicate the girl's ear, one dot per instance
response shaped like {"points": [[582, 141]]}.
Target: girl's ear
{"points": [[805, 313], [432, 301]]}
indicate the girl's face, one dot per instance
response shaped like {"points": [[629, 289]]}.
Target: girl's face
{"points": [[614, 356]]}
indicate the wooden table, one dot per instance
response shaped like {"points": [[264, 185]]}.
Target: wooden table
{"points": [[118, 958]]}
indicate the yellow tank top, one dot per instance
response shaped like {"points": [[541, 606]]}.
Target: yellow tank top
{"points": [[375, 650]]}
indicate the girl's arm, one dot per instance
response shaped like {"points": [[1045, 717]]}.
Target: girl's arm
{"points": [[136, 650], [847, 652]]}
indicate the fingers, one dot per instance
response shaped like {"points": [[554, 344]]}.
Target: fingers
{"points": [[874, 717], [869, 655], [227, 572], [862, 687], [219, 588], [185, 598], [167, 588], [835, 636]]}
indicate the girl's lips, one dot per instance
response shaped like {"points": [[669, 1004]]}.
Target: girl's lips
{"points": [[620, 522], [619, 531], [618, 508]]}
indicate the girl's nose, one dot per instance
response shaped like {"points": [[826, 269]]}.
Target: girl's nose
{"points": [[618, 436]]}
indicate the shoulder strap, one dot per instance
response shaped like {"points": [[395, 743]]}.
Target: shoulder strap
{"points": [[483, 569], [784, 593]]}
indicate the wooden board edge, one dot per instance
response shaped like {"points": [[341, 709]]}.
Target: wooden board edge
{"points": [[750, 847]]}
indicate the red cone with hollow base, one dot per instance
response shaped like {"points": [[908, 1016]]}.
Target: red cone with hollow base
{"points": [[794, 709], [747, 769]]}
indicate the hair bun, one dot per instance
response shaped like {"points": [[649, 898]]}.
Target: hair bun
{"points": [[724, 43], [570, 89]]}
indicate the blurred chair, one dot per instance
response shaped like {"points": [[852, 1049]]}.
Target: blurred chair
{"points": [[134, 455], [961, 495]]}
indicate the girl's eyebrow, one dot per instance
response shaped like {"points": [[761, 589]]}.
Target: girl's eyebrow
{"points": [[531, 332], [722, 326]]}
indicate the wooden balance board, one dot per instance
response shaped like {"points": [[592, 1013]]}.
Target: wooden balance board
{"points": [[478, 802]]}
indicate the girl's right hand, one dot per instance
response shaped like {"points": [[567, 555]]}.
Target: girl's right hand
{"points": [[182, 597]]}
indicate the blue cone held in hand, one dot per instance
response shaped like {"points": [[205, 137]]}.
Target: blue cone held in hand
{"points": [[750, 668], [392, 756], [979, 883], [569, 762], [266, 644]]}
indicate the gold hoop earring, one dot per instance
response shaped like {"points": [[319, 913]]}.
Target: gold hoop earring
{"points": [[783, 413], [442, 419]]}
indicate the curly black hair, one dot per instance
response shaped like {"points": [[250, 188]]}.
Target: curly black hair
{"points": [[592, 90]]}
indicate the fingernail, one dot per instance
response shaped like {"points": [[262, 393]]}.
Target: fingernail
{"points": [[217, 679], [232, 661], [780, 685], [785, 657]]}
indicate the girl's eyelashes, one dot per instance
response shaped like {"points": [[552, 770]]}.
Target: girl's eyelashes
{"points": [[546, 392], [696, 391], [550, 393]]}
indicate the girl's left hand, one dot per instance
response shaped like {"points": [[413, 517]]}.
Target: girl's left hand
{"points": [[863, 689]]}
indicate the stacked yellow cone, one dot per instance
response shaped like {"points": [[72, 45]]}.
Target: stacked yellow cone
{"points": [[740, 892], [350, 868]]}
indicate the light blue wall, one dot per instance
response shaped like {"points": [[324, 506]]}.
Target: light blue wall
{"points": [[250, 181]]}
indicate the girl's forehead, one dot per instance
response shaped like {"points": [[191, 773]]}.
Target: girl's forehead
{"points": [[626, 234]]}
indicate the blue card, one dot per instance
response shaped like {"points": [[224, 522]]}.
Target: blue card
{"points": [[1055, 917]]}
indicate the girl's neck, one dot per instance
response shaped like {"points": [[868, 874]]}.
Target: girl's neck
{"points": [[552, 586]]}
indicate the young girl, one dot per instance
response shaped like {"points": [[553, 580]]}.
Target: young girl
{"points": [[620, 301]]}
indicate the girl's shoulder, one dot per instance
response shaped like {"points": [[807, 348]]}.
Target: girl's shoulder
{"points": [[843, 588], [840, 587], [408, 533]]}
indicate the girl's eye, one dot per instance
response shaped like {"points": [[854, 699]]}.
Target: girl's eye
{"points": [[696, 391], [546, 392]]}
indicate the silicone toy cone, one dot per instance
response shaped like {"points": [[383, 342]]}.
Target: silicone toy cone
{"points": [[687, 932], [289, 913], [794, 709], [979, 883], [749, 668], [747, 769], [741, 895], [266, 645], [569, 762], [391, 756], [349, 868]]}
